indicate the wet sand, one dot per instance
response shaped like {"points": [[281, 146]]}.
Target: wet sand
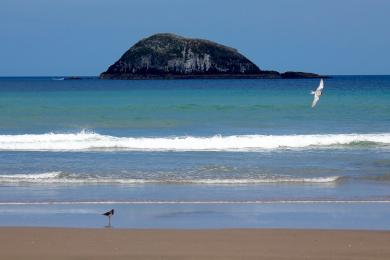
{"points": [[61, 243]]}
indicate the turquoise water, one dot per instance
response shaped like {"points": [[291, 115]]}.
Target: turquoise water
{"points": [[194, 107], [76, 147]]}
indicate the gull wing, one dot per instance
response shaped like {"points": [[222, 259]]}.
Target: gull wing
{"points": [[321, 86], [315, 100]]}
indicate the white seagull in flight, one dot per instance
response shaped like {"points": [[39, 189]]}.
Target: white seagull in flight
{"points": [[317, 93]]}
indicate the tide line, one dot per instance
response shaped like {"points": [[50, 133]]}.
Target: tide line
{"points": [[192, 202]]}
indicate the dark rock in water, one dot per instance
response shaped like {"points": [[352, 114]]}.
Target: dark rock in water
{"points": [[169, 55], [78, 78], [299, 75], [165, 56], [73, 78]]}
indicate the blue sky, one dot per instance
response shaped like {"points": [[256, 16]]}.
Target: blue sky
{"points": [[83, 37]]}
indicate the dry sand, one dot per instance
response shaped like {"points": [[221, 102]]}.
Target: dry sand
{"points": [[59, 243]]}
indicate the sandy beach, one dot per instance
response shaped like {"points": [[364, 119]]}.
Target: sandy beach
{"points": [[60, 243]]}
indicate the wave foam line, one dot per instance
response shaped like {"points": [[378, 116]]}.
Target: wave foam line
{"points": [[193, 202], [62, 178], [90, 141]]}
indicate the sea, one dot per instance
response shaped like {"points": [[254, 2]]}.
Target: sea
{"points": [[237, 153]]}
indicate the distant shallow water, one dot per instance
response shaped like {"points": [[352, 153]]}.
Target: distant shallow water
{"points": [[186, 153]]}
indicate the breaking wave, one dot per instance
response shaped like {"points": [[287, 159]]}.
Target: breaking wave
{"points": [[66, 178], [90, 141]]}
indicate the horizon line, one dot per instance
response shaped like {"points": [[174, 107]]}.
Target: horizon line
{"points": [[97, 76]]}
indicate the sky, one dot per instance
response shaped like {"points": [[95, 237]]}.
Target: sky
{"points": [[84, 37]]}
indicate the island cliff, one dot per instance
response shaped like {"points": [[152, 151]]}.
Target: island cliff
{"points": [[168, 55]]}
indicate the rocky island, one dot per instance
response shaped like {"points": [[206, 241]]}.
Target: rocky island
{"points": [[169, 56]]}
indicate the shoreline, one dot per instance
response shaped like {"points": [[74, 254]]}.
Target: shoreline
{"points": [[70, 243], [330, 216]]}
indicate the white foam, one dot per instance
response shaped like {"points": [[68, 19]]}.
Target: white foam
{"points": [[38, 177], [47, 177], [90, 141], [265, 180], [61, 178]]}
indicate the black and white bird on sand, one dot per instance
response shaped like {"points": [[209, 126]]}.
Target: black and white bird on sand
{"points": [[109, 214]]}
